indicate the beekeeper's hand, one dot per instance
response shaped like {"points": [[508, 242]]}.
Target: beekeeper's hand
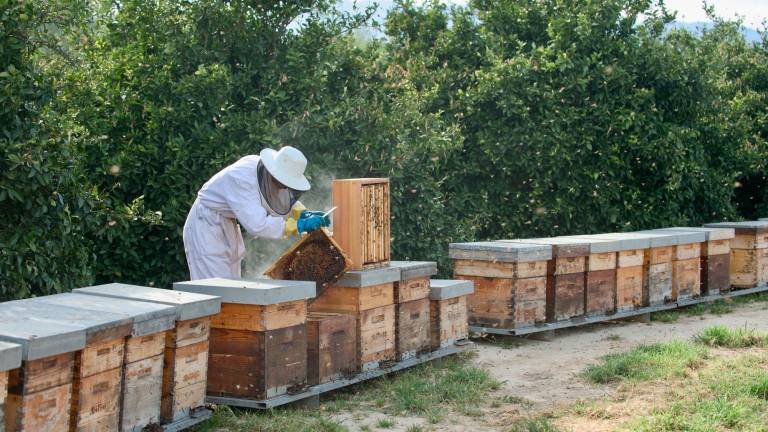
{"points": [[312, 223]]}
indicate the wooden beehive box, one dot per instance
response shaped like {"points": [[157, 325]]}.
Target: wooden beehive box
{"points": [[331, 347], [714, 260], [361, 222], [412, 328], [316, 257], [510, 282], [258, 344], [186, 345], [10, 359], [414, 279], [685, 251], [448, 311], [142, 372], [749, 253]]}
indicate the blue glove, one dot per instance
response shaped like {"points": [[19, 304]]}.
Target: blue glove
{"points": [[312, 223], [310, 213]]}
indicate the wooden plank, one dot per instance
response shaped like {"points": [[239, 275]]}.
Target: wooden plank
{"points": [[411, 289], [601, 261], [448, 321], [185, 366], [658, 287], [345, 299], [41, 374], [716, 247], [750, 239], [331, 347], [96, 402], [631, 258], [361, 222], [660, 255], [142, 393], [3, 395], [507, 303], [180, 404], [687, 251], [376, 334], [412, 329], [600, 292], [715, 274], [96, 358], [686, 279], [189, 332], [565, 296], [143, 347], [744, 268], [260, 317], [46, 410], [509, 270], [629, 288], [567, 265]]}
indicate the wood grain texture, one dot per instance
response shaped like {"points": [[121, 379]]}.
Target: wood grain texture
{"points": [[3, 395], [715, 274], [184, 367], [514, 270], [507, 303], [750, 239], [96, 358], [448, 321], [188, 332], [602, 261], [687, 251], [178, 405], [142, 347], [96, 402], [41, 374], [631, 258], [46, 410], [659, 255], [568, 265], [565, 296], [686, 279], [142, 393], [716, 247], [748, 267], [629, 288], [412, 329], [361, 222], [331, 347], [376, 334], [658, 287], [600, 292], [341, 299], [260, 317], [411, 289]]}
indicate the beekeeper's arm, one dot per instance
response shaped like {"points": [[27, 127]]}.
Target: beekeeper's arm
{"points": [[243, 199]]}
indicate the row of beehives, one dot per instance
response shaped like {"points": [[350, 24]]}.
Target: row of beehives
{"points": [[274, 338], [523, 282]]}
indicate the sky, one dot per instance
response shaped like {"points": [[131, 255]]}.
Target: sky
{"points": [[754, 12]]}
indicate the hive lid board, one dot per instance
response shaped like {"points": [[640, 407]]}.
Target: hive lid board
{"points": [[188, 305], [561, 247], [763, 219], [253, 292], [710, 234], [743, 226], [677, 237], [627, 241], [147, 317], [597, 246], [39, 338], [415, 269], [500, 251], [442, 289], [371, 277], [10, 356]]}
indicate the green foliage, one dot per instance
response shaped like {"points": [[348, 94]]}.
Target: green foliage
{"points": [[722, 336], [647, 362]]}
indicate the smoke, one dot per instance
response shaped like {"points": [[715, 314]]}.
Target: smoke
{"points": [[261, 253]]}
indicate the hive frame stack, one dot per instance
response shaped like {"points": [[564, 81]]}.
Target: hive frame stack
{"points": [[749, 253], [411, 295], [510, 282], [448, 311], [10, 359], [361, 223], [185, 362], [259, 339], [715, 261]]}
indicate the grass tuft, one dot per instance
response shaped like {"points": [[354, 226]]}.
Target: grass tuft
{"points": [[538, 424], [385, 423], [721, 336], [760, 387], [647, 362]]}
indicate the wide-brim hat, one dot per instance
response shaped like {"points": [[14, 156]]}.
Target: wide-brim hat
{"points": [[287, 166]]}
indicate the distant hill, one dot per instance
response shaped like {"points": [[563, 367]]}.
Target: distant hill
{"points": [[750, 34]]}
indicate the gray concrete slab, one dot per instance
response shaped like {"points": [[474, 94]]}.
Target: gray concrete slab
{"points": [[147, 317], [500, 251], [254, 292], [660, 238], [763, 219], [40, 338], [188, 305], [415, 269], [441, 289], [627, 241], [561, 247], [371, 277], [90, 320], [679, 237], [710, 234], [10, 356], [760, 225], [597, 246]]}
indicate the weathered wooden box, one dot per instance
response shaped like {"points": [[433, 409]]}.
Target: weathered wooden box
{"points": [[600, 276], [412, 329], [749, 253], [258, 344], [186, 345], [714, 264], [414, 279], [510, 282], [448, 311], [331, 346], [361, 223], [10, 359], [685, 263]]}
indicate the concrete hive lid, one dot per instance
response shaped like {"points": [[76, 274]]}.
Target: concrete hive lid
{"points": [[627, 241], [709, 233], [10, 356], [678, 237], [39, 338], [253, 292], [415, 269], [741, 227], [597, 246], [147, 317], [188, 305], [371, 277], [442, 289], [562, 247], [500, 251]]}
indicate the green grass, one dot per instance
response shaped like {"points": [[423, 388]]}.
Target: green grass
{"points": [[385, 423], [274, 420], [719, 307], [414, 428], [721, 336], [536, 424], [647, 362]]}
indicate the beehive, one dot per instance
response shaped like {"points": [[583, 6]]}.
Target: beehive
{"points": [[259, 340], [448, 311], [10, 359], [715, 258], [369, 296], [749, 252], [185, 363], [685, 251], [361, 222], [414, 280], [331, 346], [97, 372], [510, 282], [40, 391], [142, 373], [411, 294]]}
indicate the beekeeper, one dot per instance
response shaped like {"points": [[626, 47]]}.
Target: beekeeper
{"points": [[262, 194]]}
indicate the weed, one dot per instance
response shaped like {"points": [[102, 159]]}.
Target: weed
{"points": [[612, 337], [385, 423], [537, 424], [414, 428], [274, 420], [647, 362], [722, 336], [665, 316], [365, 428], [517, 400], [760, 388]]}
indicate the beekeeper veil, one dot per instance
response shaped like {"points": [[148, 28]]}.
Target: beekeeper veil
{"points": [[281, 179]]}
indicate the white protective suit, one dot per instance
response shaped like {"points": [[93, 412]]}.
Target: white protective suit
{"points": [[212, 239]]}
